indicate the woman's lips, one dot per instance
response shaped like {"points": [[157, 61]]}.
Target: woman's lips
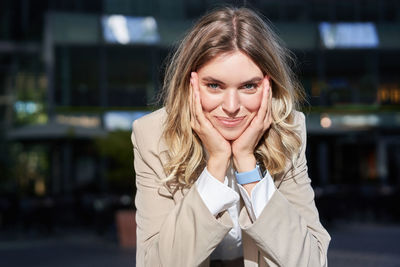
{"points": [[230, 122]]}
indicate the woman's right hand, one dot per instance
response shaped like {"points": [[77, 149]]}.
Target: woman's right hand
{"points": [[219, 149]]}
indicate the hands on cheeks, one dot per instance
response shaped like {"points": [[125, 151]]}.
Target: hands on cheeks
{"points": [[220, 150]]}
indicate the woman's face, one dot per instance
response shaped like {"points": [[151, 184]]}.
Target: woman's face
{"points": [[230, 92]]}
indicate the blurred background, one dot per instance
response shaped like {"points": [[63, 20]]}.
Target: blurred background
{"points": [[74, 74]]}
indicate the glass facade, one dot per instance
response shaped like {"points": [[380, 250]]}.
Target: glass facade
{"points": [[59, 70]]}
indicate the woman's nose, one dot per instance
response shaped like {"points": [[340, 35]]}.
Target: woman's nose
{"points": [[231, 103]]}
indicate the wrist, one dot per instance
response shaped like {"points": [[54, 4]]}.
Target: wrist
{"points": [[217, 166], [249, 187], [244, 163]]}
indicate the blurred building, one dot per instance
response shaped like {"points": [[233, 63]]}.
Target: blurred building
{"points": [[73, 71]]}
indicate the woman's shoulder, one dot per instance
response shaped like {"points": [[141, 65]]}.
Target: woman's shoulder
{"points": [[299, 122], [154, 120], [149, 128], [299, 117]]}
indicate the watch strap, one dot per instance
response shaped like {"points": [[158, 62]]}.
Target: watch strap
{"points": [[254, 175]]}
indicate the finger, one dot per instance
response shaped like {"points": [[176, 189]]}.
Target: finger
{"points": [[195, 80], [264, 101], [191, 99], [201, 119], [194, 87], [194, 121], [268, 117], [191, 102]]}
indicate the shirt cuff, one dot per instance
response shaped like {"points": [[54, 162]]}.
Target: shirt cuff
{"points": [[260, 195], [216, 196]]}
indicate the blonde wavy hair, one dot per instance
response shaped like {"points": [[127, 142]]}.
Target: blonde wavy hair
{"points": [[222, 31]]}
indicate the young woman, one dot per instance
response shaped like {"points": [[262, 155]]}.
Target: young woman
{"points": [[221, 172]]}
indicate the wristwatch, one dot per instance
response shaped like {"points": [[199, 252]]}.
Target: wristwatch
{"points": [[254, 175]]}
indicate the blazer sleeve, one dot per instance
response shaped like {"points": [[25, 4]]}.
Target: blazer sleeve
{"points": [[288, 232], [170, 233]]}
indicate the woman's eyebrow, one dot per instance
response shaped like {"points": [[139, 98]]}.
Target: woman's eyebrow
{"points": [[213, 80], [253, 80]]}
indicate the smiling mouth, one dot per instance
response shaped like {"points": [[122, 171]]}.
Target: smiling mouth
{"points": [[230, 122]]}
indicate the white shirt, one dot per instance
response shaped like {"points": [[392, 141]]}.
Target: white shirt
{"points": [[219, 196]]}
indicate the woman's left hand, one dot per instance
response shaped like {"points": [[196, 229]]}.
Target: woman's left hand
{"points": [[243, 147]]}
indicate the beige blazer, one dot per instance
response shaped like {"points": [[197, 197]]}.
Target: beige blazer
{"points": [[178, 230]]}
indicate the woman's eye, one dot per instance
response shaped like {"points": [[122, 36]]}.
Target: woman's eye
{"points": [[213, 85], [250, 86]]}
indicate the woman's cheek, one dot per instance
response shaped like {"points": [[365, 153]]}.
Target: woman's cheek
{"points": [[209, 102], [252, 102]]}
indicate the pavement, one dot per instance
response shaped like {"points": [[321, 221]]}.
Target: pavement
{"points": [[352, 245], [364, 245], [75, 248]]}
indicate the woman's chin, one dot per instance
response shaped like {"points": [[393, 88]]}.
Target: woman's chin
{"points": [[231, 135]]}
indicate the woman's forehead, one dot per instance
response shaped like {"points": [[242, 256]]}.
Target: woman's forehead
{"points": [[234, 66]]}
